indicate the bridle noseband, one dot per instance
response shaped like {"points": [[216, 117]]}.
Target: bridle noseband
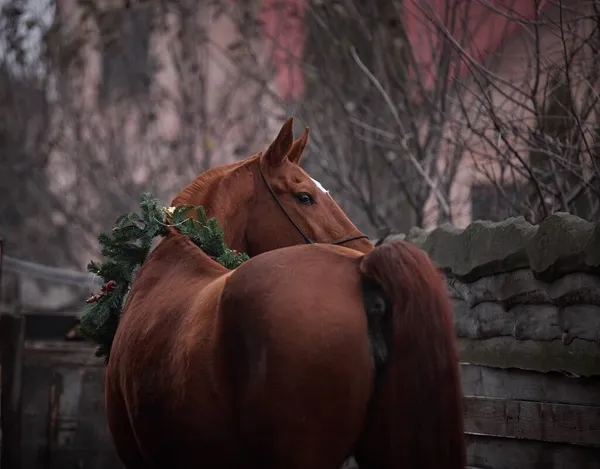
{"points": [[307, 240]]}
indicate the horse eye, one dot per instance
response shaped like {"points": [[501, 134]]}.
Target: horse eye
{"points": [[304, 198]]}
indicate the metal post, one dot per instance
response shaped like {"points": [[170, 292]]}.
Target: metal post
{"points": [[12, 346]]}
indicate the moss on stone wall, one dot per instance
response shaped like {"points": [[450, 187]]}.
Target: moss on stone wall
{"points": [[561, 244], [525, 296]]}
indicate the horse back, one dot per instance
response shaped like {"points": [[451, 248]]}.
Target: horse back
{"points": [[294, 338]]}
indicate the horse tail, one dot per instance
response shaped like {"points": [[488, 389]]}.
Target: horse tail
{"points": [[416, 415]]}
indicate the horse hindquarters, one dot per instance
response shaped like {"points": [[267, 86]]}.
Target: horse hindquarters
{"points": [[123, 437], [416, 417], [299, 362]]}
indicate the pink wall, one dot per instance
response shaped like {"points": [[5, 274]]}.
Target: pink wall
{"points": [[488, 23], [478, 26], [287, 31]]}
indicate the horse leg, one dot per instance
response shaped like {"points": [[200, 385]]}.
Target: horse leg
{"points": [[124, 440]]}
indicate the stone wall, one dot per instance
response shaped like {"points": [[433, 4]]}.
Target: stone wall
{"points": [[525, 296]]}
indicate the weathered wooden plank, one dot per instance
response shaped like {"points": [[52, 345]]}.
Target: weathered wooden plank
{"points": [[12, 337], [66, 413], [10, 294], [578, 357], [48, 327], [560, 423], [52, 353], [7, 308], [53, 345], [93, 435], [1, 313], [64, 417], [505, 453], [68, 312], [37, 393], [529, 385]]}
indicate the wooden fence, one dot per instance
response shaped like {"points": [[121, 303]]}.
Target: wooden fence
{"points": [[518, 419], [62, 408], [52, 396], [515, 419]]}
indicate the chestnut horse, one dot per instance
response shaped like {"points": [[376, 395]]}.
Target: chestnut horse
{"points": [[302, 356]]}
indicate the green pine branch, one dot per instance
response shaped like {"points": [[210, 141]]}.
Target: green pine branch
{"points": [[125, 249]]}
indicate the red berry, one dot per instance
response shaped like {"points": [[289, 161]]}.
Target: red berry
{"points": [[108, 286], [92, 299]]}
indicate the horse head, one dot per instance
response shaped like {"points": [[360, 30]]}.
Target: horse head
{"points": [[267, 201]]}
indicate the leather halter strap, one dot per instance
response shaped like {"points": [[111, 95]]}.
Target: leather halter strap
{"points": [[307, 240]]}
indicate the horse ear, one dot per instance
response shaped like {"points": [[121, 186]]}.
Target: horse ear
{"points": [[295, 154], [279, 149]]}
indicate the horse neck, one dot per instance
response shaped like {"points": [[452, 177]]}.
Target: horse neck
{"points": [[224, 193]]}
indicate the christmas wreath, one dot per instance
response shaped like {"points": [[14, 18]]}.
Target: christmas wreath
{"points": [[126, 249]]}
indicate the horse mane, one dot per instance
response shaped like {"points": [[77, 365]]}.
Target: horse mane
{"points": [[204, 182]]}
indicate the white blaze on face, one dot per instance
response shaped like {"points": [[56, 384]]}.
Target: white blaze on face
{"points": [[319, 186]]}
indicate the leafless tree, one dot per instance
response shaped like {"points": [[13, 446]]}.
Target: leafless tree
{"points": [[25, 116], [394, 137], [114, 99], [379, 130], [144, 95], [376, 129], [537, 132]]}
